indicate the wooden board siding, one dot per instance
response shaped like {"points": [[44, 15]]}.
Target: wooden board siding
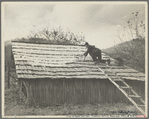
{"points": [[47, 92], [138, 87]]}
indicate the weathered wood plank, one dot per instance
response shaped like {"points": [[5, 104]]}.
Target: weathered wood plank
{"points": [[69, 62], [51, 50], [58, 73], [46, 52], [47, 46], [55, 66], [46, 64], [72, 60], [49, 57], [18, 67], [112, 67], [60, 77], [61, 70], [131, 74], [31, 61], [48, 49], [20, 55], [121, 70], [134, 78]]}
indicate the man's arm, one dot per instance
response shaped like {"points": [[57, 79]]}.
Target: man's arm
{"points": [[86, 53], [88, 50]]}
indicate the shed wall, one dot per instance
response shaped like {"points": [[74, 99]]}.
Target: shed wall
{"points": [[47, 92]]}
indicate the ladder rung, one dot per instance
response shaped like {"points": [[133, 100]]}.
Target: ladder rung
{"points": [[113, 77], [134, 96], [125, 87], [141, 105], [117, 80]]}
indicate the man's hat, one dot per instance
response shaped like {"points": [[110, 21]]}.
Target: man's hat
{"points": [[86, 43]]}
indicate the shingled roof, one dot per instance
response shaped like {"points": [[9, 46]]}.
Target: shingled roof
{"points": [[53, 61], [61, 61]]}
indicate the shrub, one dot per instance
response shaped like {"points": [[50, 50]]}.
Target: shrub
{"points": [[55, 36]]}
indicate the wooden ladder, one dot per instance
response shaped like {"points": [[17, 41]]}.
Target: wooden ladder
{"points": [[126, 89]]}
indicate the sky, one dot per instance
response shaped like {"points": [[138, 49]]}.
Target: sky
{"points": [[99, 22]]}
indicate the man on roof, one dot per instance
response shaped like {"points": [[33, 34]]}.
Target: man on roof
{"points": [[95, 53]]}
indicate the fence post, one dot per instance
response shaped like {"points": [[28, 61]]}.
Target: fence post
{"points": [[8, 76]]}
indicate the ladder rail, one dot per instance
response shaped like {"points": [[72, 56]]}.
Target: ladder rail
{"points": [[127, 96], [131, 100], [140, 97], [134, 92], [130, 89]]}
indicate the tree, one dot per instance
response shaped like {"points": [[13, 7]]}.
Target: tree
{"points": [[136, 26]]}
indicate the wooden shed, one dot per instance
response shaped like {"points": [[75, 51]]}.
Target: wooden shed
{"points": [[57, 74]]}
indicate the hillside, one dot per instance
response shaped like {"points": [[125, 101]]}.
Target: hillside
{"points": [[132, 53]]}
